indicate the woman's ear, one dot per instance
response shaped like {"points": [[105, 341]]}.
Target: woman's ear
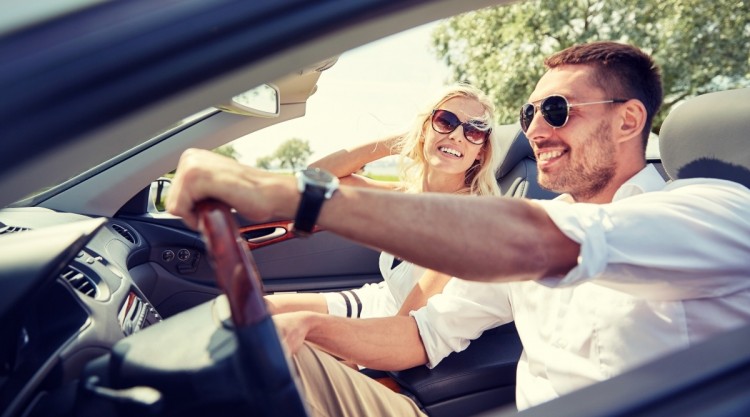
{"points": [[481, 154]]}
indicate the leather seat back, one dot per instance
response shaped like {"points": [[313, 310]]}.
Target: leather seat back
{"points": [[517, 174], [709, 136]]}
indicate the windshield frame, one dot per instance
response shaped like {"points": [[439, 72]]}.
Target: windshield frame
{"points": [[47, 192]]}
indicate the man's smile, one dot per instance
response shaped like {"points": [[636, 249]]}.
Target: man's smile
{"points": [[549, 157]]}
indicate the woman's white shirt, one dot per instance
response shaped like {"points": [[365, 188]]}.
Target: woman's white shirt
{"points": [[382, 299]]}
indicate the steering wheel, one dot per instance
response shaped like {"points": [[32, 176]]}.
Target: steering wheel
{"points": [[263, 364]]}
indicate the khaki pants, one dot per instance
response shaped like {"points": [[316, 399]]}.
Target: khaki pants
{"points": [[332, 389]]}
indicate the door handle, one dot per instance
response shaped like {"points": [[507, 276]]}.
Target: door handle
{"points": [[274, 233]]}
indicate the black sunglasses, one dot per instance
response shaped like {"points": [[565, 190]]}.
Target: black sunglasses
{"points": [[475, 131], [555, 110]]}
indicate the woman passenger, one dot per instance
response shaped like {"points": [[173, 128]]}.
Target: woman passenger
{"points": [[451, 148]]}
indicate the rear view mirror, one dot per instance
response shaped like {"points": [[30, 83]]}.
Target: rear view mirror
{"points": [[261, 101], [158, 194]]}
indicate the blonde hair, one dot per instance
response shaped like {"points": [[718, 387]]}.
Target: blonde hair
{"points": [[480, 177]]}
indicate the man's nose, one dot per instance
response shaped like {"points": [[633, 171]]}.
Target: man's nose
{"points": [[538, 128]]}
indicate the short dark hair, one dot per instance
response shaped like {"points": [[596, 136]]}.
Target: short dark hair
{"points": [[622, 70]]}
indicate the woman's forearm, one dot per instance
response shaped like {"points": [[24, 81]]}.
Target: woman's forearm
{"points": [[431, 283], [284, 303], [345, 162]]}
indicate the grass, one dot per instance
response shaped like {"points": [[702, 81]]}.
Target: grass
{"points": [[382, 177]]}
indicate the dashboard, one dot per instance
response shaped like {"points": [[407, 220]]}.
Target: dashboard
{"points": [[77, 310], [66, 297]]}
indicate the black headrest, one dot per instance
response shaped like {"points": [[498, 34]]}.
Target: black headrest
{"points": [[515, 147], [709, 136], [517, 174]]}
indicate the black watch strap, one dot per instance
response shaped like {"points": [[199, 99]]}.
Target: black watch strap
{"points": [[315, 186], [310, 204]]}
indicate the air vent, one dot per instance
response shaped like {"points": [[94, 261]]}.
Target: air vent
{"points": [[12, 229], [125, 232], [80, 282]]}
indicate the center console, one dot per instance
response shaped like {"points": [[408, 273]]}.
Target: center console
{"points": [[136, 314]]}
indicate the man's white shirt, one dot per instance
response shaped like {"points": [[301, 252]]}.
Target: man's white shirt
{"points": [[661, 267]]}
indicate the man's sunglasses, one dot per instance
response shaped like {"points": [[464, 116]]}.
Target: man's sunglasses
{"points": [[555, 110], [475, 131]]}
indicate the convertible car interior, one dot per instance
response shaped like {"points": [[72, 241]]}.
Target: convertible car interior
{"points": [[77, 341], [110, 306], [125, 274]]}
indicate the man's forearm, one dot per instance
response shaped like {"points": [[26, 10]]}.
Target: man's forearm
{"points": [[390, 343], [481, 238]]}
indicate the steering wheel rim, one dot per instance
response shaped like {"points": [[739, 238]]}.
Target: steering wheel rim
{"points": [[262, 361], [236, 272]]}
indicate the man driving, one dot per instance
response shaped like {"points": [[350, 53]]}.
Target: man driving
{"points": [[598, 281]]}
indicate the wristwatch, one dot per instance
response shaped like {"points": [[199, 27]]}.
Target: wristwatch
{"points": [[315, 186]]}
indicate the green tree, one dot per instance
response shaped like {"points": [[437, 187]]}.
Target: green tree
{"points": [[227, 150], [701, 46], [293, 153], [264, 162]]}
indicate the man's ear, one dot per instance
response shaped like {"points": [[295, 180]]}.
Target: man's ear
{"points": [[632, 120]]}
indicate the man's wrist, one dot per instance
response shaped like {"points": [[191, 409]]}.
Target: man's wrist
{"points": [[311, 322], [284, 197]]}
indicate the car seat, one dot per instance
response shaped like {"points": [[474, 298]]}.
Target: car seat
{"points": [[517, 175], [718, 147]]}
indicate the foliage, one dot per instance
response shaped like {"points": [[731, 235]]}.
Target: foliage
{"points": [[701, 46], [382, 177], [228, 151], [264, 162], [292, 154]]}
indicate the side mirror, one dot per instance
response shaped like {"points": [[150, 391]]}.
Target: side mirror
{"points": [[261, 101], [158, 194]]}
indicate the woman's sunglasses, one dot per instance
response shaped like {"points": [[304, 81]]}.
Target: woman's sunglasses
{"points": [[555, 110], [475, 131]]}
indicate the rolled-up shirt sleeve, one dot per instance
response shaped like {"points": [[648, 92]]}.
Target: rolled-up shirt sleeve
{"points": [[687, 241], [459, 314]]}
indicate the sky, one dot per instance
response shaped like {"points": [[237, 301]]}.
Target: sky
{"points": [[371, 92]]}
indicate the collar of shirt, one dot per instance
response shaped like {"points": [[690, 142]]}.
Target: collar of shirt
{"points": [[647, 179]]}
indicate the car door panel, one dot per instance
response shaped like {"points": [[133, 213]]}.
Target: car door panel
{"points": [[321, 262], [178, 264]]}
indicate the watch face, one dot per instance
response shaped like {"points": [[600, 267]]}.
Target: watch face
{"points": [[318, 176]]}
